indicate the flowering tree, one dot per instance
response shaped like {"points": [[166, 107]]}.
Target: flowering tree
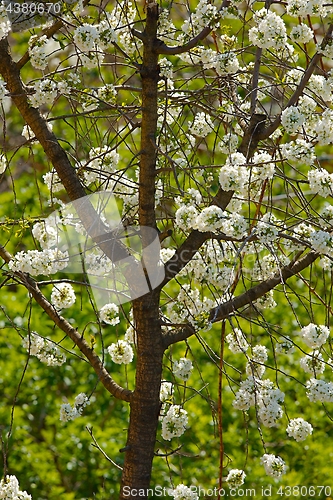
{"points": [[206, 129]]}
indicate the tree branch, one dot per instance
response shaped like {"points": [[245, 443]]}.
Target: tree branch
{"points": [[162, 48], [91, 220], [301, 86], [101, 372], [193, 242], [222, 311]]}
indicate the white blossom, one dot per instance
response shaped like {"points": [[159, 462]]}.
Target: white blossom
{"points": [[52, 180], [285, 347], [235, 478], [3, 163], [37, 51], [274, 466], [262, 394], [183, 368], [202, 125], [269, 32], [257, 358], [209, 219], [45, 233], [322, 242], [266, 301], [182, 492], [225, 63], [299, 150], [174, 423], [107, 94], [323, 128], [110, 314], [319, 390], [234, 175], [46, 351], [3, 91], [301, 33], [45, 92], [292, 119], [106, 34], [205, 15], [228, 143], [303, 8], [5, 24], [264, 167], [313, 363], [85, 37], [299, 429], [266, 229], [63, 296], [186, 217], [10, 489], [166, 390], [237, 341], [48, 261], [68, 412], [315, 336], [121, 352], [321, 182]]}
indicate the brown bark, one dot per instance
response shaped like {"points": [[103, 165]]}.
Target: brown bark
{"points": [[145, 401]]}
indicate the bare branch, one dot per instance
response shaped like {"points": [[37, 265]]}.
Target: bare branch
{"points": [[96, 445]]}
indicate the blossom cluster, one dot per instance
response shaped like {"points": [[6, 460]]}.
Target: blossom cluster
{"points": [[235, 478], [45, 233], [69, 412], [315, 336], [46, 351], [182, 492], [34, 262], [313, 363], [319, 390], [45, 92], [303, 8], [188, 307], [237, 341], [3, 163], [321, 182], [110, 314], [63, 296], [5, 24], [166, 391], [3, 91], [183, 368], [121, 352], [10, 489], [262, 394], [206, 14], [274, 466], [37, 51], [270, 30], [52, 181], [299, 429], [174, 422], [103, 160]]}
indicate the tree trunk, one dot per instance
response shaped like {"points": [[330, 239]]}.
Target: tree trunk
{"points": [[145, 404]]}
